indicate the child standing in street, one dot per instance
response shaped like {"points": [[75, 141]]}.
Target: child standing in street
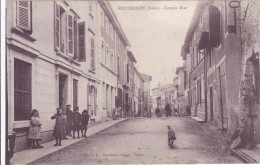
{"points": [[76, 121], [35, 130], [84, 122], [59, 126]]}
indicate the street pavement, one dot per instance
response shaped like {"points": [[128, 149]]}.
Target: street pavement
{"points": [[143, 140]]}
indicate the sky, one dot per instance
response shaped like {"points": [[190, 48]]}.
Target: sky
{"points": [[156, 36]]}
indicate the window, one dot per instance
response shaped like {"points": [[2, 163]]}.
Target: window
{"points": [[118, 67], [111, 31], [92, 51], [102, 17], [24, 16], [75, 22], [81, 35], [107, 25], [75, 93], [60, 28], [22, 90], [111, 60], [107, 56], [70, 34], [103, 51]]}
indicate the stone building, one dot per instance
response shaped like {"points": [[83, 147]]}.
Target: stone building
{"points": [[222, 65]]}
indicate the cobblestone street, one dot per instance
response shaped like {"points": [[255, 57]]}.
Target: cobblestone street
{"points": [[143, 140]]}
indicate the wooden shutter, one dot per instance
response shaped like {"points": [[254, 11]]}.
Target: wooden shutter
{"points": [[75, 39], [56, 26], [24, 19], [214, 26], [81, 35], [92, 54], [70, 34]]}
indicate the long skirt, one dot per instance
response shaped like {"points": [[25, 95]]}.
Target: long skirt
{"points": [[35, 133]]}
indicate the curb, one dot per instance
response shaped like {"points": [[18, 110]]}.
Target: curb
{"points": [[242, 155], [198, 119]]}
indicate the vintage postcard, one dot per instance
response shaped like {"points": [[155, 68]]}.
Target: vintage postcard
{"points": [[130, 82]]}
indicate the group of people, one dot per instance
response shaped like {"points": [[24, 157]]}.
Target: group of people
{"points": [[175, 112], [66, 122]]}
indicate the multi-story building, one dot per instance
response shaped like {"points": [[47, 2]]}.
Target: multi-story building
{"points": [[130, 82], [138, 93], [146, 101], [75, 54], [51, 57], [162, 95], [113, 44], [219, 41]]}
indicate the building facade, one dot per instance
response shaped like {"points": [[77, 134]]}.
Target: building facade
{"points": [[146, 98], [74, 53], [217, 70]]}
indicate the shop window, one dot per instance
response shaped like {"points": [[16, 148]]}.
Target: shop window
{"points": [[22, 90]]}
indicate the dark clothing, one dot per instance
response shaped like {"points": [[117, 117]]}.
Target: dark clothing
{"points": [[168, 110], [59, 125], [69, 114], [84, 121], [76, 120]]}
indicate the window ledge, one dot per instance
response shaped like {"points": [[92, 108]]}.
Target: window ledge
{"points": [[68, 58], [23, 34], [21, 124], [92, 70]]}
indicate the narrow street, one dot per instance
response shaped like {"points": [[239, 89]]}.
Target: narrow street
{"points": [[143, 140]]}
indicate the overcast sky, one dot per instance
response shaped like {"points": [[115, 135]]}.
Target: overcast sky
{"points": [[156, 36]]}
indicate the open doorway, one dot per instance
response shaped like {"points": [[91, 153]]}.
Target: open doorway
{"points": [[63, 89]]}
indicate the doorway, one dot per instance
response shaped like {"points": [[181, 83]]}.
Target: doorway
{"points": [[63, 89]]}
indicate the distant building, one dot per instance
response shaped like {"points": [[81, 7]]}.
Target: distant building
{"points": [[146, 102]]}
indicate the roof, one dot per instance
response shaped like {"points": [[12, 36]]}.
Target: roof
{"points": [[131, 56], [146, 77], [196, 15], [107, 8]]}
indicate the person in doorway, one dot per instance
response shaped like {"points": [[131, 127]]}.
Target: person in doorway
{"points": [[76, 121], [59, 126], [69, 114], [84, 122], [35, 130]]}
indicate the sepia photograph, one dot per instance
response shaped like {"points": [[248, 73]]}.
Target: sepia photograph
{"points": [[130, 82]]}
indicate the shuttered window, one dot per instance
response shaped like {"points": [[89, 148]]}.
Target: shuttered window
{"points": [[22, 90], [81, 35], [70, 34], [214, 26], [92, 54], [75, 93], [75, 39], [24, 15], [57, 27]]}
